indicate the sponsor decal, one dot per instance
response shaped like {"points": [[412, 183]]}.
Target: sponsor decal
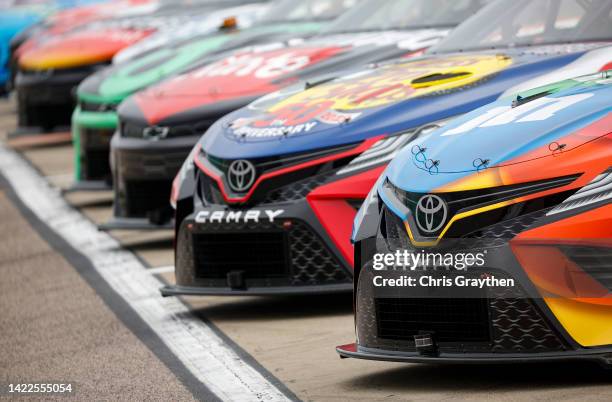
{"points": [[251, 215], [346, 99], [262, 65]]}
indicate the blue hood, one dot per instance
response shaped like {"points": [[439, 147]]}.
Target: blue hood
{"points": [[502, 133], [387, 99]]}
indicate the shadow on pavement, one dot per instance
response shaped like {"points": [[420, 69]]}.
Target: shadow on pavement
{"points": [[425, 377], [251, 308]]}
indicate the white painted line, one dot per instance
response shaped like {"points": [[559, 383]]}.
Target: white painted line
{"points": [[161, 270], [199, 348]]}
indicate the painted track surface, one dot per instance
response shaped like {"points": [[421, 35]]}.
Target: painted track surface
{"points": [[59, 326]]}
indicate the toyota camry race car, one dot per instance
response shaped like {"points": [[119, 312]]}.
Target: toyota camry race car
{"points": [[159, 126], [51, 68], [526, 184], [266, 201], [95, 119]]}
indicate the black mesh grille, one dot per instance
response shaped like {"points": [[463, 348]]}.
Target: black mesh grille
{"points": [[143, 197], [518, 326], [258, 255], [95, 146], [306, 260], [270, 163], [137, 130], [452, 320], [297, 190], [96, 166], [502, 321], [469, 200]]}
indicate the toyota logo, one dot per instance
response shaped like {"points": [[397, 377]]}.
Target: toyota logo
{"points": [[155, 132], [431, 212], [240, 175]]}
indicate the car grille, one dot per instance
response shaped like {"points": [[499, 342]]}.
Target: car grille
{"points": [[297, 190], [96, 166], [293, 255], [150, 165], [498, 234], [95, 144], [468, 200], [97, 107], [502, 321], [143, 197], [258, 255], [290, 186], [137, 130], [452, 320], [263, 165]]}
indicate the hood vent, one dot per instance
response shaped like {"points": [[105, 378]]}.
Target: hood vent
{"points": [[439, 79]]}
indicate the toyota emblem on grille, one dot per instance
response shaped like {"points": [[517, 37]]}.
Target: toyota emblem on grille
{"points": [[431, 212], [241, 175], [155, 132]]}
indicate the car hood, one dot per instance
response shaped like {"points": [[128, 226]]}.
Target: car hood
{"points": [[389, 99], [544, 122], [256, 71], [206, 24], [116, 82], [80, 48]]}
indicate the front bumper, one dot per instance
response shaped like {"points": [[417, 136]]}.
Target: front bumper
{"points": [[506, 324], [91, 136], [287, 254], [47, 98], [143, 172]]}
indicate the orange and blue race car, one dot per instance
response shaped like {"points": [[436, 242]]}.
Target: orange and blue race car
{"points": [[505, 219]]}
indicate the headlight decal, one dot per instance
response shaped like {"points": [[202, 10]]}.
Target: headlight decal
{"points": [[385, 149], [598, 190]]}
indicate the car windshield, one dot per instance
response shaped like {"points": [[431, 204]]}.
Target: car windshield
{"points": [[375, 15], [307, 10], [505, 24]]}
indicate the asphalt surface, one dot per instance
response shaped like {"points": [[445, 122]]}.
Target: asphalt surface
{"points": [[54, 326]]}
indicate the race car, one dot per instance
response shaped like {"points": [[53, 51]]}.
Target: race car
{"points": [[157, 132], [526, 183], [266, 201], [66, 20], [51, 68], [15, 18], [95, 119]]}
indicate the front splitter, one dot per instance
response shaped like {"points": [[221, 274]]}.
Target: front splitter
{"points": [[174, 290], [134, 224], [352, 350], [89, 185]]}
